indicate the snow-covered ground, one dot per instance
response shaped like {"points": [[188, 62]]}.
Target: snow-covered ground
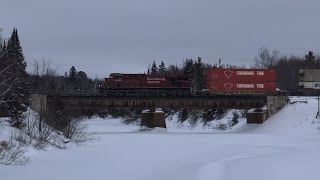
{"points": [[284, 147]]}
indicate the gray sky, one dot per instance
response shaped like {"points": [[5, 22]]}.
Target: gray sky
{"points": [[104, 36]]}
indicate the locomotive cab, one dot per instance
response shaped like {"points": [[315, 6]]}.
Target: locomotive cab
{"points": [[115, 76], [114, 80]]}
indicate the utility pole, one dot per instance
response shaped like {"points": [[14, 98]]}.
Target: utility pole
{"points": [[318, 104], [317, 87]]}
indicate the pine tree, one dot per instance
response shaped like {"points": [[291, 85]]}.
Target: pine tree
{"points": [[310, 60], [82, 80], [20, 94], [198, 77], [310, 56], [73, 73], [3, 59], [3, 84], [73, 78], [2, 53], [187, 67], [1, 46], [162, 68], [154, 69]]}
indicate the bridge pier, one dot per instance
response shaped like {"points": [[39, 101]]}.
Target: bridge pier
{"points": [[152, 119], [256, 116]]}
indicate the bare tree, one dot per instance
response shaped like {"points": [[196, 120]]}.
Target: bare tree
{"points": [[12, 152], [265, 59], [43, 79]]}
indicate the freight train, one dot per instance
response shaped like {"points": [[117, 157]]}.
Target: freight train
{"points": [[218, 81]]}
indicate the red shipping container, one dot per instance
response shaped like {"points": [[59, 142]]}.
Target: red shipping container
{"points": [[249, 75], [242, 86]]}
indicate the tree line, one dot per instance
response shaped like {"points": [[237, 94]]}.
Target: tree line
{"points": [[286, 67]]}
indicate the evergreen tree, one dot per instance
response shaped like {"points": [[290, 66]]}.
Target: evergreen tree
{"points": [[3, 54], [154, 69], [162, 68], [73, 78], [310, 60], [188, 67], [19, 92], [198, 78], [73, 73], [310, 56], [3, 85], [1, 46], [82, 80]]}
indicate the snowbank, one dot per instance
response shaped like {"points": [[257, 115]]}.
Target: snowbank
{"points": [[218, 125], [299, 116]]}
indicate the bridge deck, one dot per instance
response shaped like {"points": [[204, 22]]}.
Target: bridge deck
{"points": [[155, 98]]}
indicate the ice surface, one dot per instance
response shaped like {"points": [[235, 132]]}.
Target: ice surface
{"points": [[285, 147]]}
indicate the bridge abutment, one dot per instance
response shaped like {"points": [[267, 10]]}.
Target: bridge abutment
{"points": [[275, 104], [259, 115]]}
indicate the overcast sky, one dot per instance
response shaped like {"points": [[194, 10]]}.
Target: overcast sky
{"points": [[104, 36]]}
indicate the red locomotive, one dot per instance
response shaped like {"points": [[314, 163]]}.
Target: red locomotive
{"points": [[129, 81]]}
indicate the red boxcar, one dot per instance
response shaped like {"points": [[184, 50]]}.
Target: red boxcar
{"points": [[118, 81], [254, 75]]}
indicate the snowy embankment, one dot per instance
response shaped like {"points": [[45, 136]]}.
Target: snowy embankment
{"points": [[298, 117], [284, 147], [218, 125]]}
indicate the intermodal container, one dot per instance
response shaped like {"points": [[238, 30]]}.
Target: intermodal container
{"points": [[242, 86], [235, 75]]}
